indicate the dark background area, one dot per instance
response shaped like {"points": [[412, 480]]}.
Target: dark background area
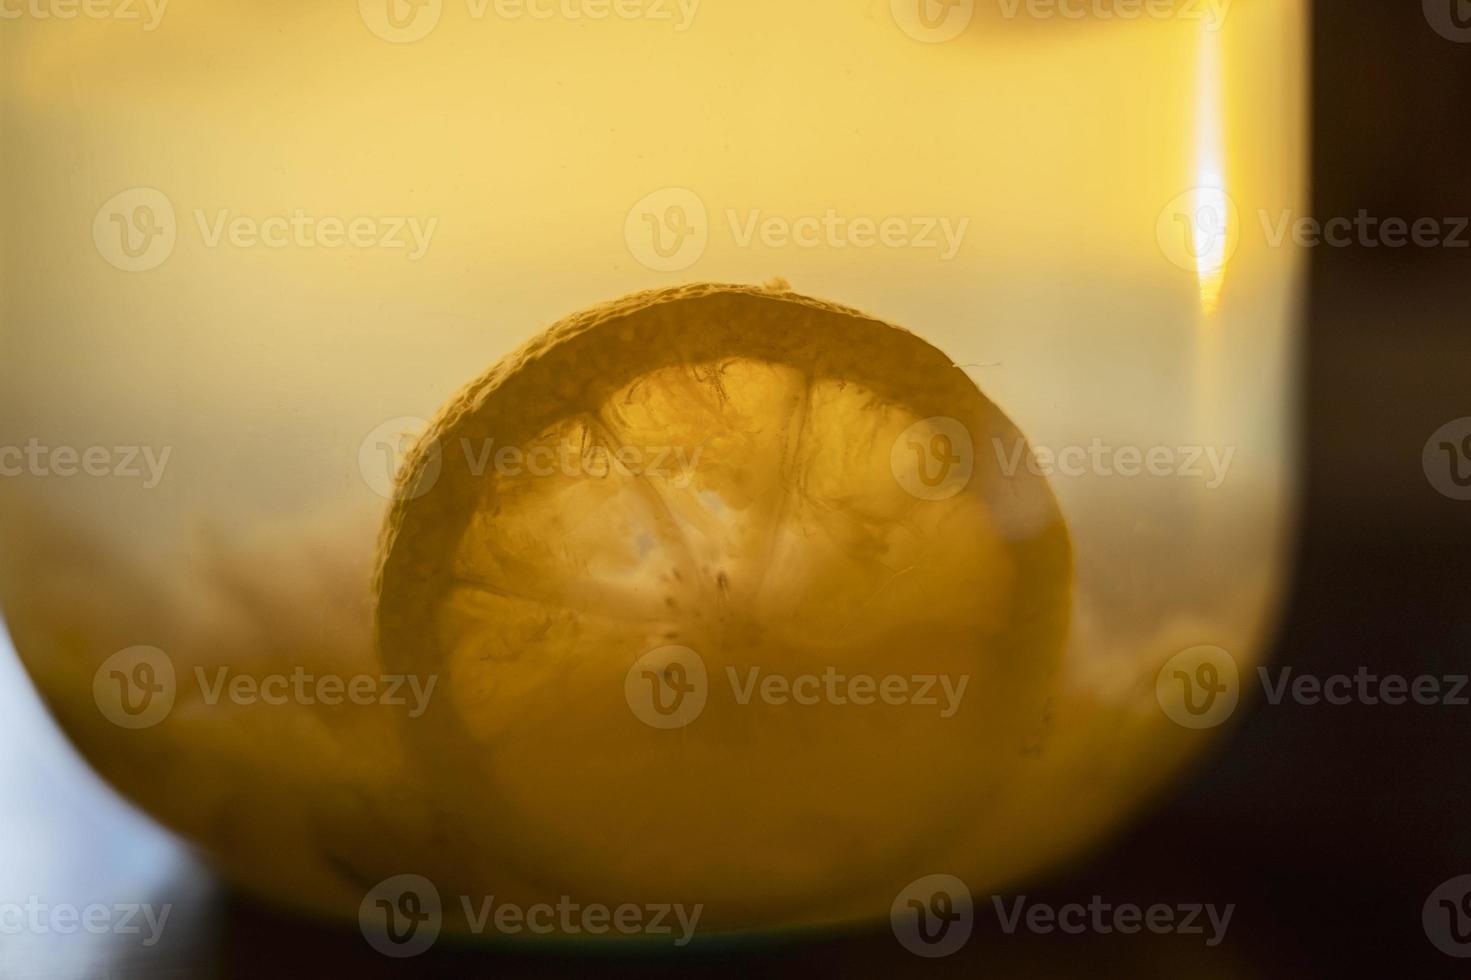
{"points": [[1328, 826]]}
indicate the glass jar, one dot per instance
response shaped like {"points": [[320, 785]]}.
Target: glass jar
{"points": [[249, 249]]}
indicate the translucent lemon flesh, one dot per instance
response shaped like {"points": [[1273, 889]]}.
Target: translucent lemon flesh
{"points": [[778, 522]]}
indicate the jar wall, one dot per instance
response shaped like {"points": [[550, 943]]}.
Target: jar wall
{"points": [[244, 250]]}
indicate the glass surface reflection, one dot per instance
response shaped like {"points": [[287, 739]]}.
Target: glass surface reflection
{"points": [[88, 886]]}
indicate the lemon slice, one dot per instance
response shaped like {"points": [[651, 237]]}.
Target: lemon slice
{"points": [[733, 599]]}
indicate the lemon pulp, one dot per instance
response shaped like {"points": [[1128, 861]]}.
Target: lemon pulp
{"points": [[731, 602]]}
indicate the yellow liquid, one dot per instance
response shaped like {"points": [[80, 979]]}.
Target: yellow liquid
{"points": [[512, 170]]}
